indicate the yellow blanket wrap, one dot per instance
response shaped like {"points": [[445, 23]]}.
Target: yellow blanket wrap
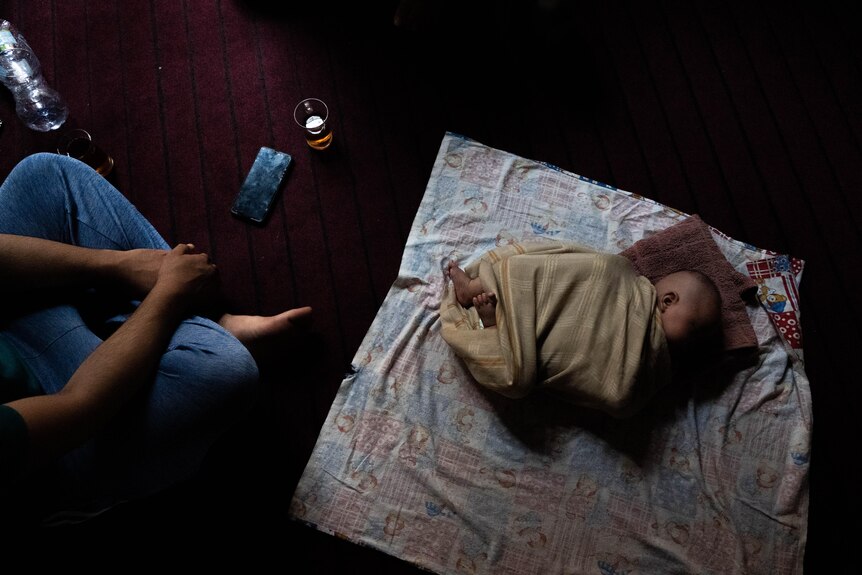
{"points": [[579, 323]]}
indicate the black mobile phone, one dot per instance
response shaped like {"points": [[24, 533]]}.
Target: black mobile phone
{"points": [[261, 185]]}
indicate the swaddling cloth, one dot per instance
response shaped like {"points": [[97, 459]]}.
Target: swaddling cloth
{"points": [[578, 323]]}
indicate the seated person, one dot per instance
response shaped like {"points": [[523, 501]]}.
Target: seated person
{"points": [[576, 322], [111, 387]]}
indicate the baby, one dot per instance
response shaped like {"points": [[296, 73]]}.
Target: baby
{"points": [[688, 301], [577, 322]]}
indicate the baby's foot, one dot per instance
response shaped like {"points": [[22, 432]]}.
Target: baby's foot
{"points": [[465, 288], [486, 307]]}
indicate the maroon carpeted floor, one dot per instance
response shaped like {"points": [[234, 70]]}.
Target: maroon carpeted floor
{"points": [[749, 114]]}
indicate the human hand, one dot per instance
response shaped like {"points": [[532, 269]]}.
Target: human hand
{"points": [[138, 269], [186, 277]]}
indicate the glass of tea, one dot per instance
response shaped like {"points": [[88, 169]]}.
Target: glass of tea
{"points": [[78, 144], [312, 114]]}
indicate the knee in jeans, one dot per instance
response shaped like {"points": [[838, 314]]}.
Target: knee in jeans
{"points": [[210, 365], [230, 372], [37, 169], [42, 161]]}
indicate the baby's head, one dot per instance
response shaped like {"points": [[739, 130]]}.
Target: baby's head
{"points": [[690, 306]]}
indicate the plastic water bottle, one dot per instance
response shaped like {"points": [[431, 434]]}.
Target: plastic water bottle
{"points": [[37, 104]]}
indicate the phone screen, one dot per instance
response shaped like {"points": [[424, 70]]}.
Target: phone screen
{"points": [[261, 185]]}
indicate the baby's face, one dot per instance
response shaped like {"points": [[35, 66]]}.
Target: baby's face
{"points": [[681, 312]]}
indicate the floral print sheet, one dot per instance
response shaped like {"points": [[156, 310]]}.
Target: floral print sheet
{"points": [[417, 461]]}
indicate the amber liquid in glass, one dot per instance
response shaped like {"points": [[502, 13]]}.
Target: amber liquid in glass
{"points": [[317, 134], [86, 151]]}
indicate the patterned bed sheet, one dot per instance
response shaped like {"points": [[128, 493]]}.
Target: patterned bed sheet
{"points": [[416, 460]]}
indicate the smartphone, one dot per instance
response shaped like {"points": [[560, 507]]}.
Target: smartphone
{"points": [[261, 185]]}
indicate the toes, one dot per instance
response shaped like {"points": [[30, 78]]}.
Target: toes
{"points": [[447, 271], [484, 299], [300, 316]]}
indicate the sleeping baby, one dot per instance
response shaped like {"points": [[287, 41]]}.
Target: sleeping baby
{"points": [[578, 323]]}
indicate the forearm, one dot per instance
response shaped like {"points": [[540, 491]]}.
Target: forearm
{"points": [[117, 370], [27, 263]]}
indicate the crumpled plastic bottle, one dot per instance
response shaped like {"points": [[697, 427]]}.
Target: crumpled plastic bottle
{"points": [[38, 105]]}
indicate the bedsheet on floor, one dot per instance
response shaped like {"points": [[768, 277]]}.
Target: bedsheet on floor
{"points": [[418, 461]]}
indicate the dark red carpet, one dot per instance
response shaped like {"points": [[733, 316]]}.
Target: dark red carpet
{"points": [[747, 113]]}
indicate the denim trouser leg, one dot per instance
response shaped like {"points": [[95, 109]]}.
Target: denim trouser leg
{"points": [[205, 378], [58, 198]]}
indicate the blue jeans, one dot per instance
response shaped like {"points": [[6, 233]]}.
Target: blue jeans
{"points": [[206, 378]]}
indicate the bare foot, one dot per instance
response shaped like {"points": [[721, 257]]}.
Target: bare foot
{"points": [[466, 288], [263, 334], [486, 307]]}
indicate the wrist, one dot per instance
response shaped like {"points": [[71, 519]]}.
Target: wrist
{"points": [[106, 265], [166, 296]]}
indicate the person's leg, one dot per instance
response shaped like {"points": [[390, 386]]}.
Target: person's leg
{"points": [[204, 375], [205, 382], [58, 198], [61, 199]]}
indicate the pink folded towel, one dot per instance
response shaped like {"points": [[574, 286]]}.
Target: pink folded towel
{"points": [[689, 245]]}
